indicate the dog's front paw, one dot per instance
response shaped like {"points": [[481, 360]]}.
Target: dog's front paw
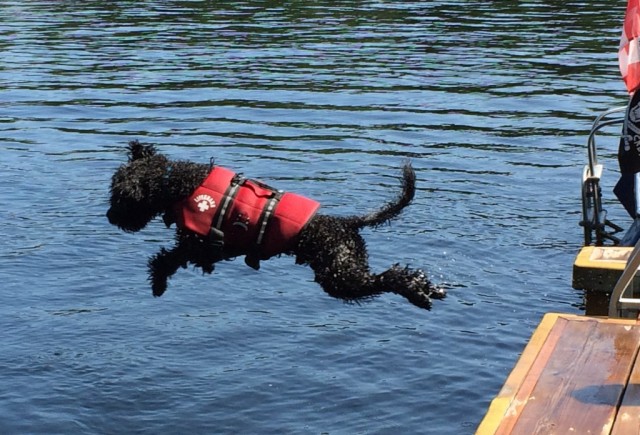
{"points": [[158, 272], [158, 286], [158, 280], [252, 261]]}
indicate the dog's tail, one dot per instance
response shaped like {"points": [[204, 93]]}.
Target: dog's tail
{"points": [[393, 208]]}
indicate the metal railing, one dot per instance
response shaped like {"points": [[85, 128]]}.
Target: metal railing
{"points": [[594, 221], [618, 303]]}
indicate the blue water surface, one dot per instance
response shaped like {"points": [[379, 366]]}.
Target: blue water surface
{"points": [[491, 103]]}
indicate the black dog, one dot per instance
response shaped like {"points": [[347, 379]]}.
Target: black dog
{"points": [[220, 215]]}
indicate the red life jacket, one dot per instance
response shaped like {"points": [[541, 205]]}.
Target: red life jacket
{"points": [[253, 217]]}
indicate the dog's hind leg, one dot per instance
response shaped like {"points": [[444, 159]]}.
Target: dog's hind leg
{"points": [[337, 255], [411, 284], [349, 286], [336, 252], [342, 270], [356, 283]]}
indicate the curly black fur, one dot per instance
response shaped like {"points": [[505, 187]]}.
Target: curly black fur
{"points": [[150, 184]]}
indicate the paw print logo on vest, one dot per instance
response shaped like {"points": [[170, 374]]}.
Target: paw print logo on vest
{"points": [[204, 202]]}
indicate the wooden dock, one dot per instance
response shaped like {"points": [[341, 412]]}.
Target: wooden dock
{"points": [[596, 270], [577, 375]]}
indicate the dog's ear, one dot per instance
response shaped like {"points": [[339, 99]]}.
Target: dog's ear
{"points": [[140, 151]]}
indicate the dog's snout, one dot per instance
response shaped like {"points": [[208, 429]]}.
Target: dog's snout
{"points": [[110, 216]]}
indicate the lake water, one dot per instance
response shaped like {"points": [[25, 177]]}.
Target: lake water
{"points": [[491, 101]]}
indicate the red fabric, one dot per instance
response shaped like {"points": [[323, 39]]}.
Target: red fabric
{"points": [[242, 219], [196, 212], [291, 215], [241, 222], [629, 51]]}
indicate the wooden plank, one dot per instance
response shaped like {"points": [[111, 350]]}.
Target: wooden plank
{"points": [[570, 379], [628, 418], [528, 383], [582, 383], [501, 404]]}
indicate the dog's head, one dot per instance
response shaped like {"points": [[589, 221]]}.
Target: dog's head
{"points": [[137, 188]]}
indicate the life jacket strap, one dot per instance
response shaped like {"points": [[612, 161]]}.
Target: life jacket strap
{"points": [[267, 213], [238, 182], [227, 199]]}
